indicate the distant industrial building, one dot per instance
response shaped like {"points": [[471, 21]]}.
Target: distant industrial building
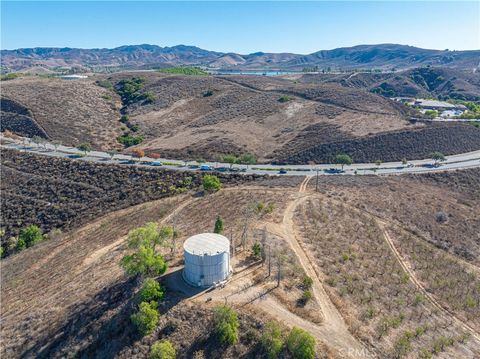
{"points": [[207, 260], [73, 77], [445, 109]]}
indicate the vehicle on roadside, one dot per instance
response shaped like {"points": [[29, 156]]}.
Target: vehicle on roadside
{"points": [[222, 169], [282, 172], [155, 163], [205, 168], [333, 170]]}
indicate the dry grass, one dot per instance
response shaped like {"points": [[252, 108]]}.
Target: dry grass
{"points": [[368, 285], [73, 112]]}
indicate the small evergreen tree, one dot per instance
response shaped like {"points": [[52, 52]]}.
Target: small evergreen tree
{"points": [[257, 249], [218, 225], [226, 325]]}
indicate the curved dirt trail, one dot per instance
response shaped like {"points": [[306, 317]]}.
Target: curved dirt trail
{"points": [[333, 330], [407, 268]]}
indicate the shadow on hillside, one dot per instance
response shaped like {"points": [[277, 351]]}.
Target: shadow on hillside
{"points": [[99, 327]]}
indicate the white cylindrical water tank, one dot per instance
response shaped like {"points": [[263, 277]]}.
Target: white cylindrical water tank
{"points": [[207, 259]]}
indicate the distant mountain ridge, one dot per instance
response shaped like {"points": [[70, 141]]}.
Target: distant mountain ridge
{"points": [[382, 56]]}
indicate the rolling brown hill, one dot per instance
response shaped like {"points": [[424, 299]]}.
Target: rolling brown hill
{"points": [[439, 82], [192, 117], [379, 56]]}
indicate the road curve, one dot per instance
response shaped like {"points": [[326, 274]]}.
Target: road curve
{"points": [[453, 162]]}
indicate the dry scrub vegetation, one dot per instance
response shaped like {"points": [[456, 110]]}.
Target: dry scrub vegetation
{"points": [[72, 112], [56, 193], [76, 301], [194, 117], [440, 208], [366, 282]]}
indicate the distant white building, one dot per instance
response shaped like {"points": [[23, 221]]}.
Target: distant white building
{"points": [[73, 77]]}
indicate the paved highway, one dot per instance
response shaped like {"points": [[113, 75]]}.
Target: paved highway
{"points": [[460, 161]]}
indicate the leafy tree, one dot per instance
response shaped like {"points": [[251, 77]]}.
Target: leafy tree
{"points": [[284, 99], [128, 140], [138, 153], [30, 235], [124, 119], [146, 260], [163, 350], [85, 148], [1, 251], [271, 340], [438, 157], [343, 159], [226, 325], [247, 159], [257, 249], [218, 225], [231, 159], [301, 344], [404, 161], [146, 319], [211, 183], [378, 162], [151, 290]]}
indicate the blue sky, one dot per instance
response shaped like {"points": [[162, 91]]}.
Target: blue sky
{"points": [[243, 27]]}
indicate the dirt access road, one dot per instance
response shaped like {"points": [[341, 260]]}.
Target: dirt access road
{"points": [[240, 291]]}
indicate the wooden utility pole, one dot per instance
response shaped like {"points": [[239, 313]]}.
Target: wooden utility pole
{"points": [[279, 270], [316, 182], [264, 244]]}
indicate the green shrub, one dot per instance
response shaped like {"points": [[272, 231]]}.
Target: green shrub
{"points": [[146, 319], [10, 76], [306, 296], [257, 249], [104, 83], [301, 344], [124, 119], [30, 235], [151, 290], [211, 183], [85, 147], [148, 97], [226, 325], [272, 340], [163, 350], [284, 99], [208, 93], [307, 282], [128, 140], [191, 71], [21, 245]]}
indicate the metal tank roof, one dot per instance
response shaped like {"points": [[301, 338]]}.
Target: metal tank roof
{"points": [[207, 244]]}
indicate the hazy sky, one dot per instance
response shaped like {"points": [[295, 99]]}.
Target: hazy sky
{"points": [[243, 27]]}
